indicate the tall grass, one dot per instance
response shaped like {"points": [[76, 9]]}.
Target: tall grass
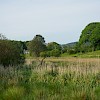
{"points": [[67, 80]]}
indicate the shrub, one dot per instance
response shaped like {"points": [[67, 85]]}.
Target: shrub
{"points": [[10, 54]]}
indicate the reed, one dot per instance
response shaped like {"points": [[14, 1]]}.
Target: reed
{"points": [[53, 80]]}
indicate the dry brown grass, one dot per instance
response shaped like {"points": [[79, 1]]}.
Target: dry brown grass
{"points": [[71, 59], [64, 78], [80, 66]]}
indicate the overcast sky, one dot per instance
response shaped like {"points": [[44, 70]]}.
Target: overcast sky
{"points": [[56, 20]]}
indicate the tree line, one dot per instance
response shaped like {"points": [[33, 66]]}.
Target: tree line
{"points": [[12, 52], [38, 47]]}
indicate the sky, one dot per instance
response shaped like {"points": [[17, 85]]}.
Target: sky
{"points": [[60, 21]]}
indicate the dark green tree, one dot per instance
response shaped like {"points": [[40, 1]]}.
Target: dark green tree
{"points": [[37, 45], [9, 53], [90, 37], [53, 45], [53, 49]]}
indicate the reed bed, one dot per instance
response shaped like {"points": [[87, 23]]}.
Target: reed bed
{"points": [[72, 79]]}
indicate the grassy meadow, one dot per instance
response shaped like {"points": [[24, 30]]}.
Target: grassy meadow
{"points": [[94, 54], [53, 79]]}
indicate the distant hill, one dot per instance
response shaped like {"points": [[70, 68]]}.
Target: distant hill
{"points": [[72, 44]]}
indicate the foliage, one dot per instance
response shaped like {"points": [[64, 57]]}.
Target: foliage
{"points": [[90, 37], [65, 81], [70, 48], [93, 54], [44, 54], [37, 45], [55, 53], [53, 49], [53, 45], [10, 53], [52, 53], [20, 45]]}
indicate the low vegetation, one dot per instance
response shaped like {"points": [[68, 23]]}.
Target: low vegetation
{"points": [[53, 80], [93, 54]]}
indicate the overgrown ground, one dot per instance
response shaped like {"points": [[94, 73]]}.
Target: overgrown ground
{"points": [[94, 54], [55, 79]]}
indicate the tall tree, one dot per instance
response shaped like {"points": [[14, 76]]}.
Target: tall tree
{"points": [[90, 37], [37, 45]]}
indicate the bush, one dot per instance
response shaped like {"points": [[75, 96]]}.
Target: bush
{"points": [[52, 53], [55, 53], [10, 53]]}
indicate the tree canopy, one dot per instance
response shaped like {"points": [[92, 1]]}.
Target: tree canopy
{"points": [[90, 36], [37, 45], [53, 49], [53, 45], [9, 53]]}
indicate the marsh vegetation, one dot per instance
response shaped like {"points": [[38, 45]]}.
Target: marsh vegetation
{"points": [[69, 72], [73, 79]]}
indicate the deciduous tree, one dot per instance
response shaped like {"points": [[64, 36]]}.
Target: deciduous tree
{"points": [[37, 45]]}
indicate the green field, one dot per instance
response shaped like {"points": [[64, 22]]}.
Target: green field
{"points": [[54, 79], [94, 54]]}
